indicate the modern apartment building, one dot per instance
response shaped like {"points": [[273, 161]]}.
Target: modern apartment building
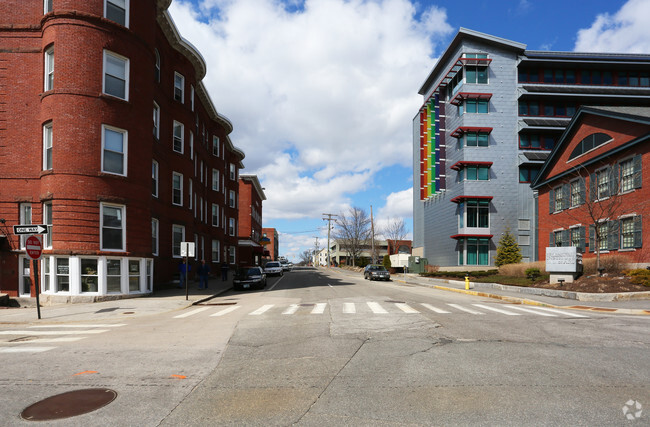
{"points": [[109, 137], [251, 196], [492, 112]]}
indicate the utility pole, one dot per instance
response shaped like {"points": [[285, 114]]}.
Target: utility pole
{"points": [[372, 237], [329, 219]]}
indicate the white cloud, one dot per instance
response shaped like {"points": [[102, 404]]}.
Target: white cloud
{"points": [[625, 31], [398, 205], [321, 98]]}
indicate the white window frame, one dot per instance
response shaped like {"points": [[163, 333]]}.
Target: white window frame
{"points": [[47, 212], [190, 192], [215, 145], [216, 250], [231, 199], [155, 177], [215, 179], [125, 146], [126, 12], [155, 235], [48, 136], [26, 215], [180, 175], [47, 6], [181, 126], [126, 62], [231, 226], [48, 56], [156, 120], [215, 215], [233, 172], [182, 229], [191, 145], [178, 77], [122, 208], [192, 97], [157, 65]]}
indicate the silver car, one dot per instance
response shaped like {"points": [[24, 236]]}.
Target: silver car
{"points": [[273, 268]]}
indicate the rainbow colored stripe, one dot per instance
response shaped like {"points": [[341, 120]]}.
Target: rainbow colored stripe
{"points": [[431, 167]]}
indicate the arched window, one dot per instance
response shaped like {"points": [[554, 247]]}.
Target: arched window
{"points": [[157, 69], [589, 143]]}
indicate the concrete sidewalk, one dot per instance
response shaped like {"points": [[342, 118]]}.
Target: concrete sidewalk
{"points": [[160, 301]]}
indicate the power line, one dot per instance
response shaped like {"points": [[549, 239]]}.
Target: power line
{"points": [[329, 219]]}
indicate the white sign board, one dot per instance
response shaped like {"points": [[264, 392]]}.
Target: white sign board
{"points": [[187, 249], [562, 259]]}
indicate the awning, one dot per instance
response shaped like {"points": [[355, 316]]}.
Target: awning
{"points": [[464, 163], [459, 199], [478, 236], [461, 96], [461, 130]]}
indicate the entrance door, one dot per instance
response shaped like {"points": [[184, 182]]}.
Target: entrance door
{"points": [[25, 279]]}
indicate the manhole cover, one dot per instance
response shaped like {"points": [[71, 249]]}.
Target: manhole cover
{"points": [[69, 404]]}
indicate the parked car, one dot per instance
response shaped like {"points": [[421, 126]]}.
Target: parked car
{"points": [[376, 272], [286, 265], [273, 268], [249, 278]]}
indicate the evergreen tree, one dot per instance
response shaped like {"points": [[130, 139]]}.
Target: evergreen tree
{"points": [[508, 251]]}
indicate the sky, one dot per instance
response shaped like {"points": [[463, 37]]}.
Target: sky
{"points": [[322, 93]]}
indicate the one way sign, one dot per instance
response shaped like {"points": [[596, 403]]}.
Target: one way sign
{"points": [[30, 229]]}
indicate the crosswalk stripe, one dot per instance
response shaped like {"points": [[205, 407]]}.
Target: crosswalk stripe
{"points": [[529, 310], [406, 308], [91, 331], [467, 310], [349, 308], [263, 309], [376, 308], [487, 307], [25, 349], [191, 313], [103, 325], [292, 309], [565, 313], [435, 309], [319, 308], [225, 311], [44, 340]]}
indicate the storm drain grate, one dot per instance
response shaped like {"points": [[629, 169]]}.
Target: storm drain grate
{"points": [[69, 404]]}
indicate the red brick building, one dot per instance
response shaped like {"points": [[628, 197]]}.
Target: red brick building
{"points": [[251, 195], [594, 188], [399, 246], [271, 243], [80, 152]]}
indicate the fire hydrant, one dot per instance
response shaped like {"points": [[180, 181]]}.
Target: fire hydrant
{"points": [[467, 283]]}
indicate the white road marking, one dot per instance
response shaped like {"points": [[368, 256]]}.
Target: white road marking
{"points": [[530, 310], [467, 310], [292, 309], [565, 313], [261, 310], [376, 308], [191, 313], [349, 308], [319, 308], [406, 308], [487, 307], [44, 340], [276, 283], [91, 331], [104, 325], [25, 349], [434, 309], [225, 311]]}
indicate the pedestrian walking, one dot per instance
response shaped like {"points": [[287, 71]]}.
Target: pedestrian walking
{"points": [[183, 269], [224, 271], [204, 273]]}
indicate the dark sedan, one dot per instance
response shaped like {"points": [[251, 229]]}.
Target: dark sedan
{"points": [[249, 278], [376, 272]]}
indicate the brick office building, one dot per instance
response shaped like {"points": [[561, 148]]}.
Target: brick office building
{"points": [[251, 195], [271, 243], [81, 82], [598, 177]]}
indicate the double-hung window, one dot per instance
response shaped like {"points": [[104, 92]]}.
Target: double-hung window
{"points": [[215, 179], [231, 226], [177, 189], [156, 120], [47, 220], [117, 11], [47, 6], [216, 245], [192, 97], [627, 233], [576, 193], [179, 135], [114, 150], [155, 224], [26, 219], [155, 173], [179, 87], [47, 146], [116, 75], [215, 146], [113, 227], [215, 215], [156, 70], [231, 202], [178, 236], [233, 172], [49, 69], [627, 175], [602, 184]]}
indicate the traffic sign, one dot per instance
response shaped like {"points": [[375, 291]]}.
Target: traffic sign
{"points": [[187, 249], [30, 229], [34, 246]]}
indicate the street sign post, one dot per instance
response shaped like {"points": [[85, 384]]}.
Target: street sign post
{"points": [[187, 250], [34, 250], [30, 229]]}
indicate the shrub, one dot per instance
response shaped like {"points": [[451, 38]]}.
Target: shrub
{"points": [[639, 276], [431, 268], [613, 264], [533, 273], [519, 270], [387, 263], [508, 251]]}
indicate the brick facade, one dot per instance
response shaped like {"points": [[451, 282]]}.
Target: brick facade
{"points": [[251, 195], [105, 159], [565, 218]]}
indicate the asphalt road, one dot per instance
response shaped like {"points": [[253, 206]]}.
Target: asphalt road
{"points": [[321, 347]]}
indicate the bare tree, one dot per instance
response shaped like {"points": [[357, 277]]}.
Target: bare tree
{"points": [[305, 257], [601, 205], [395, 230], [352, 232]]}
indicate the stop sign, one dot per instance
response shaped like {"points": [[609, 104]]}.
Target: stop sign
{"points": [[34, 246]]}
